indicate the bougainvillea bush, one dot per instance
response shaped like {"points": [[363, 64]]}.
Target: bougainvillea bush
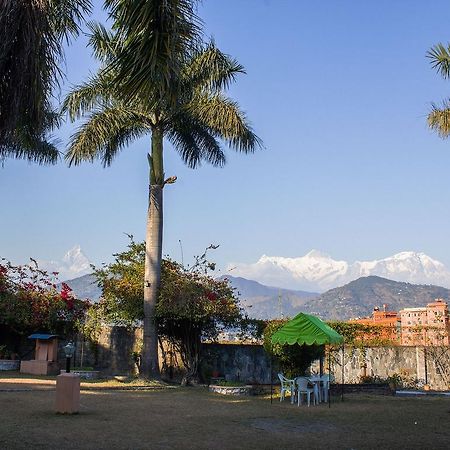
{"points": [[30, 302]]}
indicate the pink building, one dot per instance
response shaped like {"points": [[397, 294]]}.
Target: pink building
{"points": [[425, 326]]}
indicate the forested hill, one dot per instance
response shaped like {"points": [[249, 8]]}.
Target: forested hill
{"points": [[358, 298]]}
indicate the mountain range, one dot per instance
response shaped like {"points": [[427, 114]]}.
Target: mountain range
{"points": [[355, 299], [267, 302], [318, 272], [403, 280], [313, 272]]}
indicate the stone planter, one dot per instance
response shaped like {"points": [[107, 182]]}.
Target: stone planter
{"points": [[230, 390], [9, 364], [85, 374]]}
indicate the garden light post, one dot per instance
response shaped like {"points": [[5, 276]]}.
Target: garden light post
{"points": [[69, 350]]}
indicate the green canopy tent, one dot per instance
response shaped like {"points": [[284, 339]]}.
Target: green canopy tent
{"points": [[305, 329]]}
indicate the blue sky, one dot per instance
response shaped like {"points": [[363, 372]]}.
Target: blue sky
{"points": [[338, 91]]}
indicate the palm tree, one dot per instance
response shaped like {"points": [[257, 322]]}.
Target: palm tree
{"points": [[439, 116], [32, 33], [156, 37], [196, 121]]}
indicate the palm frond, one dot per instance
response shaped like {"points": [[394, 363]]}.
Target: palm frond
{"points": [[439, 56], [439, 119], [84, 97], [104, 134], [67, 15], [31, 145], [194, 142], [36, 151], [208, 68], [104, 42], [223, 117]]}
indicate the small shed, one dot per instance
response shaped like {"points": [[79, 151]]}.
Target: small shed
{"points": [[46, 356]]}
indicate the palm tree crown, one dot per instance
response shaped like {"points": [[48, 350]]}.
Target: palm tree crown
{"points": [[156, 37], [195, 123], [439, 116]]}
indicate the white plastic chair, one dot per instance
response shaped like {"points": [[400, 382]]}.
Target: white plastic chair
{"points": [[325, 379], [317, 391], [303, 388], [316, 381], [287, 385]]}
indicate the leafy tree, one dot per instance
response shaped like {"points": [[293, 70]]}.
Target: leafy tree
{"points": [[191, 304], [32, 33], [196, 117], [293, 360], [122, 287]]}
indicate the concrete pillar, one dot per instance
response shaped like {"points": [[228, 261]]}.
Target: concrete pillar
{"points": [[420, 363], [67, 393]]}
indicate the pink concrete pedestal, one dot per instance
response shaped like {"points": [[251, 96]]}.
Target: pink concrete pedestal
{"points": [[36, 367], [67, 393]]}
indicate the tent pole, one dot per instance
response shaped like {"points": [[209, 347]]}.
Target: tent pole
{"points": [[329, 376], [271, 379], [321, 363], [343, 373]]}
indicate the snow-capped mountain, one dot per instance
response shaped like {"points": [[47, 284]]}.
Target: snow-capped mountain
{"points": [[317, 271], [73, 264]]}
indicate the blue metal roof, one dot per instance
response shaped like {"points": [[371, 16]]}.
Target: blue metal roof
{"points": [[42, 336]]}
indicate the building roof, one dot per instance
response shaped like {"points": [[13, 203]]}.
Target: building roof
{"points": [[42, 336], [413, 309]]}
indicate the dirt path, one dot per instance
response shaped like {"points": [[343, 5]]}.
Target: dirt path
{"points": [[25, 384]]}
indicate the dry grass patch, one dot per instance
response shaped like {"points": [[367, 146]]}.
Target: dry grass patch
{"points": [[19, 380], [188, 418]]}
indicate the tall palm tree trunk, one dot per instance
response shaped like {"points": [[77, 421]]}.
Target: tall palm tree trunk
{"points": [[153, 257]]}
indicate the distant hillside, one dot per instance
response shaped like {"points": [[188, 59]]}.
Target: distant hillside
{"points": [[355, 299], [85, 287], [358, 298], [259, 301], [267, 302]]}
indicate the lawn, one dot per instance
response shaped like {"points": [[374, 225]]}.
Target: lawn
{"points": [[194, 418]]}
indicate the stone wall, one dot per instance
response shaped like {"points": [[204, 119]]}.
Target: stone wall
{"points": [[8, 364], [415, 365], [113, 355], [249, 363]]}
